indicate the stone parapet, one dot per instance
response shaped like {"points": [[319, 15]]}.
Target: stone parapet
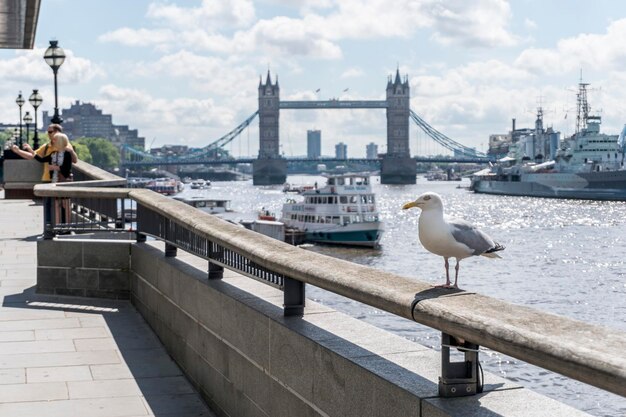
{"points": [[84, 268], [20, 177], [246, 358]]}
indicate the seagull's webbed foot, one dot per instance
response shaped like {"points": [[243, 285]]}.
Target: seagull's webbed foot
{"points": [[447, 285]]}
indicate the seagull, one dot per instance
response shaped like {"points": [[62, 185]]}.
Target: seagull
{"points": [[450, 238]]}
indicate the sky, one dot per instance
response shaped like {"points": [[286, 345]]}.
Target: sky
{"points": [[187, 72]]}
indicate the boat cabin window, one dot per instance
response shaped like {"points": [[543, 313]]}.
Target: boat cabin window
{"points": [[331, 181], [200, 204], [353, 199], [343, 199], [367, 199]]}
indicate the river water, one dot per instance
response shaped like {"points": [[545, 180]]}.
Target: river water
{"points": [[562, 256]]}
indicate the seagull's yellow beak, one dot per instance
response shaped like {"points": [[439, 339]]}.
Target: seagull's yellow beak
{"points": [[409, 205]]}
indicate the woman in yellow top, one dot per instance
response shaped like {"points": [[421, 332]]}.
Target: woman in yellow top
{"points": [[45, 150]]}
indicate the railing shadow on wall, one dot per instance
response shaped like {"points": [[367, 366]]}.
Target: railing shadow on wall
{"points": [[588, 353]]}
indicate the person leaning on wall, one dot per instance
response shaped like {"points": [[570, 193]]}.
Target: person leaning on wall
{"points": [[45, 150]]}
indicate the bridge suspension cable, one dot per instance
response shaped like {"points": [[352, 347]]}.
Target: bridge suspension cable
{"points": [[443, 140], [203, 152]]}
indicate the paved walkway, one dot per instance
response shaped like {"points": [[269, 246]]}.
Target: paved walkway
{"points": [[75, 356]]}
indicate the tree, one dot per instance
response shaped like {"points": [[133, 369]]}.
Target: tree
{"points": [[103, 153], [4, 136], [83, 152]]}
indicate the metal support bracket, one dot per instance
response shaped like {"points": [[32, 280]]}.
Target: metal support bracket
{"points": [[294, 297], [215, 271], [459, 379], [170, 250], [48, 218]]}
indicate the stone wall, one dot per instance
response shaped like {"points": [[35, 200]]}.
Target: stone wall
{"points": [[84, 268], [20, 176], [234, 344]]}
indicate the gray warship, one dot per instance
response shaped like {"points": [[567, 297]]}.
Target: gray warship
{"points": [[587, 165]]}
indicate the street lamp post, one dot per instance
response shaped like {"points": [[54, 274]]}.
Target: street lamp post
{"points": [[20, 102], [35, 100], [54, 57], [27, 121]]}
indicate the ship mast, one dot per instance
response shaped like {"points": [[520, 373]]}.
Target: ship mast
{"points": [[583, 106]]}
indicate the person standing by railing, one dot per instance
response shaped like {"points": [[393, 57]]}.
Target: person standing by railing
{"points": [[58, 168], [45, 150], [60, 160]]}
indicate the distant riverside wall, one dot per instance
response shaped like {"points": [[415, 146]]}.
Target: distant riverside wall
{"points": [[235, 345]]}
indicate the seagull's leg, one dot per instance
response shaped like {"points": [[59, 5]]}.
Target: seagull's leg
{"points": [[447, 284], [456, 274]]}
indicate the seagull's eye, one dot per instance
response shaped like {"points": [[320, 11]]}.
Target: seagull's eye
{"points": [[426, 197]]}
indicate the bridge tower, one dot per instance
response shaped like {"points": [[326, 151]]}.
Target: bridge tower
{"points": [[270, 168], [397, 166]]}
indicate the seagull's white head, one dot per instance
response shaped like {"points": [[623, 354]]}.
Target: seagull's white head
{"points": [[426, 201]]}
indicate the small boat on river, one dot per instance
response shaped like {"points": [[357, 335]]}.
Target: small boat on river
{"points": [[199, 184], [207, 204], [166, 186], [341, 212]]}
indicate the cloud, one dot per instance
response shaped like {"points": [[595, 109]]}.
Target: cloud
{"points": [[481, 23], [352, 73], [227, 28], [590, 51], [211, 13], [203, 119], [530, 24], [208, 74], [284, 36], [139, 37], [30, 67]]}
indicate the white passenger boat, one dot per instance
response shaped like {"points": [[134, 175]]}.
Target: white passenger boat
{"points": [[210, 205], [166, 186], [199, 184], [342, 212]]}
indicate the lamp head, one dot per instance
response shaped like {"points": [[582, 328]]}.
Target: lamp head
{"points": [[54, 55], [20, 100], [35, 99]]}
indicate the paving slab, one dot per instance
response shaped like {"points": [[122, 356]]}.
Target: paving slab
{"points": [[59, 373], [76, 357], [12, 376]]}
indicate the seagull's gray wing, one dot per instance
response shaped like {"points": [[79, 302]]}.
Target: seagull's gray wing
{"points": [[467, 234]]}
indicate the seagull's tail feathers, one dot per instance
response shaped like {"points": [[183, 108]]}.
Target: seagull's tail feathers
{"points": [[491, 252]]}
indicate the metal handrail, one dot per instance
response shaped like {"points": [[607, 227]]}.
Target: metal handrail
{"points": [[585, 352]]}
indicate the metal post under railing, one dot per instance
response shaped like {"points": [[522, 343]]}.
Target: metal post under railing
{"points": [[215, 252], [48, 216], [170, 250], [459, 379], [294, 297]]}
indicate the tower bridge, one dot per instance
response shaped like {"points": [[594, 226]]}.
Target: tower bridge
{"points": [[396, 166]]}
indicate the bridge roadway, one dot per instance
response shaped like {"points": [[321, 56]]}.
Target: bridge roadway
{"points": [[76, 357], [334, 104], [475, 160]]}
